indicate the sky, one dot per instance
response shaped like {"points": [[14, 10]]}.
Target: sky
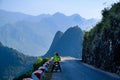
{"points": [[85, 8]]}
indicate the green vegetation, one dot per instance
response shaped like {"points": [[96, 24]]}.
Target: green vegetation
{"points": [[14, 63], [36, 65], [96, 44], [48, 74]]}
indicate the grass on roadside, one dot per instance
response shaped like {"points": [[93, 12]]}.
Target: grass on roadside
{"points": [[36, 65], [48, 75]]}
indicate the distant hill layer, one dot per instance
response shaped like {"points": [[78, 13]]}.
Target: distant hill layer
{"points": [[33, 35]]}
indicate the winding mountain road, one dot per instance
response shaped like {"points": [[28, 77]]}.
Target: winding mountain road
{"points": [[73, 69]]}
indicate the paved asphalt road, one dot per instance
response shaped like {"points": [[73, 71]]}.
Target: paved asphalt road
{"points": [[73, 69]]}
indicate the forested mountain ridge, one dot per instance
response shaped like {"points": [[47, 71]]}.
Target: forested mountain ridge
{"points": [[13, 63]]}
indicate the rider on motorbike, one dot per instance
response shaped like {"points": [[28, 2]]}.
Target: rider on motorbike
{"points": [[57, 60]]}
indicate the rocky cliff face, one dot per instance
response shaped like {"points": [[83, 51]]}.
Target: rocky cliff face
{"points": [[68, 43], [101, 44]]}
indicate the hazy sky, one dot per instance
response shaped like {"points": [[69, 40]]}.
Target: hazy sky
{"points": [[86, 8]]}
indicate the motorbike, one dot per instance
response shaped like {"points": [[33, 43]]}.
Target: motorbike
{"points": [[57, 67]]}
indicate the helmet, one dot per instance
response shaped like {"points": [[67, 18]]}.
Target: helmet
{"points": [[56, 53]]}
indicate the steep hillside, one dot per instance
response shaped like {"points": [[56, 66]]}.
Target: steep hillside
{"points": [[56, 39], [101, 44], [67, 44], [13, 63]]}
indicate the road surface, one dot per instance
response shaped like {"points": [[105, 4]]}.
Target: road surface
{"points": [[73, 69]]}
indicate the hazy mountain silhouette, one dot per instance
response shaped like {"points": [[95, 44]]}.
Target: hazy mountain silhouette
{"points": [[33, 35], [67, 44], [11, 17]]}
